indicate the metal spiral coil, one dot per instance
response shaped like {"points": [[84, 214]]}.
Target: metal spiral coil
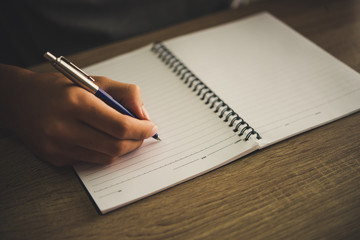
{"points": [[204, 92]]}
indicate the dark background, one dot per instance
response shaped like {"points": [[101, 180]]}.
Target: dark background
{"points": [[31, 27]]}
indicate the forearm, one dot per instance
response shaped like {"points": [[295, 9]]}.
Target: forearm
{"points": [[13, 82]]}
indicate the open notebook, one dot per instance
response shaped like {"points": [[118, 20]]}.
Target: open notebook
{"points": [[217, 95]]}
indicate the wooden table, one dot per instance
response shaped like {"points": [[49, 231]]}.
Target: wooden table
{"points": [[306, 187]]}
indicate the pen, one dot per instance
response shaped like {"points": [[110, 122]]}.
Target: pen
{"points": [[79, 77]]}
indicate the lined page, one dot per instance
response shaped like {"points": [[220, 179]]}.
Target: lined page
{"points": [[194, 139], [277, 80]]}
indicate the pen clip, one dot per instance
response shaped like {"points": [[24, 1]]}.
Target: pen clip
{"points": [[76, 67]]}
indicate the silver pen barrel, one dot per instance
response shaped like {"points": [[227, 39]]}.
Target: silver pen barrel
{"points": [[72, 72]]}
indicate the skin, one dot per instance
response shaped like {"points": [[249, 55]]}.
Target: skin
{"points": [[65, 124]]}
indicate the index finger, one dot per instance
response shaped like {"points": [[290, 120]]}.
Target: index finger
{"points": [[129, 95], [99, 115]]}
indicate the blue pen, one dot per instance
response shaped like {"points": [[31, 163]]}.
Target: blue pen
{"points": [[78, 76]]}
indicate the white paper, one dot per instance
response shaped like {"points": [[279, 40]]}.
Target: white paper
{"points": [[194, 139], [277, 80]]}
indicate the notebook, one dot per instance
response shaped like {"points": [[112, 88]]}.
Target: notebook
{"points": [[217, 95]]}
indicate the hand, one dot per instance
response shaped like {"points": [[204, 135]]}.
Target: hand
{"points": [[64, 124]]}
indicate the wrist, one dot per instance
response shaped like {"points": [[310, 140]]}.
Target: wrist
{"points": [[12, 81]]}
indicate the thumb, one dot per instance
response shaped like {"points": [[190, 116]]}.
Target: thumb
{"points": [[129, 95]]}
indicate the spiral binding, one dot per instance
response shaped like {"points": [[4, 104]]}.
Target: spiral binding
{"points": [[204, 92]]}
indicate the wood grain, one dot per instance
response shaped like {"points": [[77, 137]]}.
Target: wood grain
{"points": [[306, 187]]}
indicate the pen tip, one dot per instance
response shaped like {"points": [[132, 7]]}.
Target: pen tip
{"points": [[157, 138]]}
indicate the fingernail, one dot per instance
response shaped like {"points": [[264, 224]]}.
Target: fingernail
{"points": [[145, 113], [154, 131]]}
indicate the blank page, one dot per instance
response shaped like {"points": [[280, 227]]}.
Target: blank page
{"points": [[277, 80], [194, 139]]}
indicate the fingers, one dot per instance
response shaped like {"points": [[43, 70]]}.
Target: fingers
{"points": [[91, 131], [100, 116], [129, 95], [61, 151], [65, 124], [65, 155], [84, 136]]}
